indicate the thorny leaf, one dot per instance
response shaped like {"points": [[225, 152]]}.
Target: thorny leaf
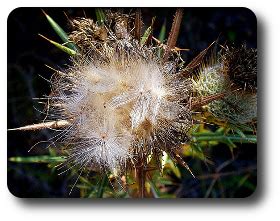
{"points": [[197, 60], [173, 34], [138, 24]]}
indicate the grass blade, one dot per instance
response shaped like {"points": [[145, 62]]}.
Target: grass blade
{"points": [[37, 159], [100, 15], [161, 37], [60, 32], [60, 46], [147, 33], [235, 138], [101, 186], [162, 33]]}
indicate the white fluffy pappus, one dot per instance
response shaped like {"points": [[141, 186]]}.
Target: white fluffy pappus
{"points": [[121, 109]]}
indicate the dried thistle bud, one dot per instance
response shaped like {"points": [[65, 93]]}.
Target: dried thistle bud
{"points": [[240, 64], [87, 34], [119, 22]]}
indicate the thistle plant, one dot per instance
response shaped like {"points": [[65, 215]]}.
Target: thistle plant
{"points": [[127, 103], [234, 74]]}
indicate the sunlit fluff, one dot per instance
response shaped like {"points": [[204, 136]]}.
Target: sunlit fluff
{"points": [[121, 109]]}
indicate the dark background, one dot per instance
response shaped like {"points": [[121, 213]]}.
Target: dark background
{"points": [[28, 53]]}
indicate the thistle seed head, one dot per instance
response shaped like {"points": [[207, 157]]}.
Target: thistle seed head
{"points": [[122, 101]]}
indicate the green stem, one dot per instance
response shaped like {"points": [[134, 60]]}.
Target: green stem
{"points": [[223, 138], [37, 159], [101, 186]]}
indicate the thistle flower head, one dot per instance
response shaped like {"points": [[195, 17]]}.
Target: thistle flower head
{"points": [[124, 103]]}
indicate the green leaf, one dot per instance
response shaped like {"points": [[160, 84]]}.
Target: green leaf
{"points": [[154, 189], [60, 32], [161, 37], [170, 164], [162, 33], [237, 130], [37, 159], [147, 33], [165, 181], [230, 144], [100, 15], [101, 186], [244, 127], [60, 46], [195, 128], [224, 138]]}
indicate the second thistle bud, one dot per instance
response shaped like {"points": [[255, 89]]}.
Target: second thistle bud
{"points": [[233, 73]]}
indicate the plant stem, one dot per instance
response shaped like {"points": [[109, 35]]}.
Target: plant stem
{"points": [[101, 187], [37, 159], [223, 137], [141, 175]]}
